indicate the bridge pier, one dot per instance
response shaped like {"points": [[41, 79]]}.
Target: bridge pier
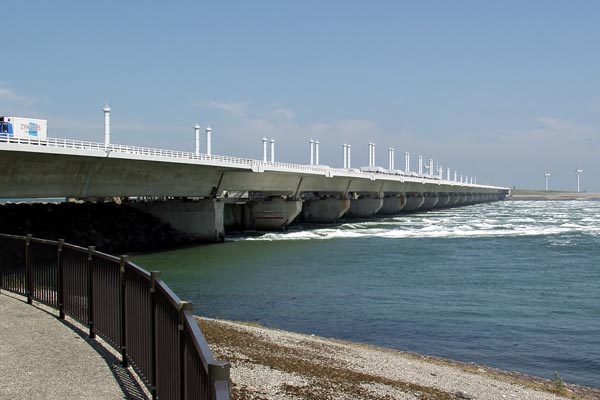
{"points": [[201, 219], [270, 214], [443, 200], [414, 201], [392, 205], [454, 199], [430, 201], [327, 210], [364, 207]]}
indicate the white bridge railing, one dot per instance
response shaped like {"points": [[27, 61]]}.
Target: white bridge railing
{"points": [[148, 151]]}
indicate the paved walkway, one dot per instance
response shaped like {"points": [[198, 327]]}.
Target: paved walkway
{"points": [[42, 357]]}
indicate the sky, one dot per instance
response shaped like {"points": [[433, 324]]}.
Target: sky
{"points": [[503, 91]]}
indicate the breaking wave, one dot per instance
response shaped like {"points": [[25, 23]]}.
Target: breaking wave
{"points": [[523, 218]]}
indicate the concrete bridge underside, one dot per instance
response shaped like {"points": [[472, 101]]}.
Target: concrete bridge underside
{"points": [[195, 196]]}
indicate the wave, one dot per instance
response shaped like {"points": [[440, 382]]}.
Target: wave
{"points": [[498, 219]]}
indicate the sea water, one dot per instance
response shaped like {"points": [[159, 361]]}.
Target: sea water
{"points": [[514, 285]]}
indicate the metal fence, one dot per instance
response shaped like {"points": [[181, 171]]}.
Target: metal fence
{"points": [[130, 308]]}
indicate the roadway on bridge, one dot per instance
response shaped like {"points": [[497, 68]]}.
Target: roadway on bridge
{"points": [[42, 357]]}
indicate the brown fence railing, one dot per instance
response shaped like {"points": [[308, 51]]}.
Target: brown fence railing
{"points": [[132, 309]]}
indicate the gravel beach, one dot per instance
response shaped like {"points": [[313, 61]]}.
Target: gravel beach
{"points": [[273, 364], [541, 195]]}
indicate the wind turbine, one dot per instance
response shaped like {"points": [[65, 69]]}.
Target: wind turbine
{"points": [[547, 176], [578, 172]]}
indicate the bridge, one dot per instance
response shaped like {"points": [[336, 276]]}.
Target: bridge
{"points": [[205, 195]]}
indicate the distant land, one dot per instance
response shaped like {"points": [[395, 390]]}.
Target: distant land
{"points": [[524, 194]]}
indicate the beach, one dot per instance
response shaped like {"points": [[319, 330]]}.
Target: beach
{"points": [[274, 364], [523, 194]]}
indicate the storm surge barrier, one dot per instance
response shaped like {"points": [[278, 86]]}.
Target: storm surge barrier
{"points": [[132, 309]]}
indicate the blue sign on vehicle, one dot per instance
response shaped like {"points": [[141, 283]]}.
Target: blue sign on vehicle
{"points": [[33, 129]]}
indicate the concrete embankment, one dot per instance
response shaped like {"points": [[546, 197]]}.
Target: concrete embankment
{"points": [[112, 228], [540, 195], [273, 364]]}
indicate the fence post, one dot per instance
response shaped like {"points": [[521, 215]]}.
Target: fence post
{"points": [[154, 276], [218, 375], [90, 282], [124, 363], [28, 275], [2, 238], [60, 290], [183, 307]]}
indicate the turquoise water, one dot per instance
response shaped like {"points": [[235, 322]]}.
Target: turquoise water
{"points": [[514, 285]]}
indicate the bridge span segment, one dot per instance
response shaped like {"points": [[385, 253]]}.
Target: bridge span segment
{"points": [[206, 194]]}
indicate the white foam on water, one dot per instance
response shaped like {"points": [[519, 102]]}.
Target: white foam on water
{"points": [[551, 219]]}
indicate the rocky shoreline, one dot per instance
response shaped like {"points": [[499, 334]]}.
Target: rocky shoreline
{"points": [[541, 195], [112, 228], [273, 364]]}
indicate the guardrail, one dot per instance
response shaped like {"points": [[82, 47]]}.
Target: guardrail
{"points": [[132, 309], [147, 151]]}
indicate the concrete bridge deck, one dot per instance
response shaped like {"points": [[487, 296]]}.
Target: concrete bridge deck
{"points": [[203, 194], [62, 167], [42, 357]]}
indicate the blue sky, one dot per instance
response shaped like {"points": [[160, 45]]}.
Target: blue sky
{"points": [[502, 91]]}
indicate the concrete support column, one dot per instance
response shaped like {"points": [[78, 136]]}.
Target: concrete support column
{"points": [[364, 207], [272, 150], [201, 219], [324, 210], [454, 199], [470, 198], [392, 205], [431, 199], [270, 214], [208, 140], [462, 199], [414, 201], [349, 156], [106, 110], [265, 141], [443, 200]]}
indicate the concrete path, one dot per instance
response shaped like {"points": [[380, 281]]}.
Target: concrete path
{"points": [[42, 357]]}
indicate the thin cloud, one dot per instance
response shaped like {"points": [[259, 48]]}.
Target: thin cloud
{"points": [[10, 100], [553, 131], [564, 125], [234, 109], [283, 113]]}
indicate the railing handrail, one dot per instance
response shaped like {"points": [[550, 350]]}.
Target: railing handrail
{"points": [[186, 155], [149, 151], [25, 282]]}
